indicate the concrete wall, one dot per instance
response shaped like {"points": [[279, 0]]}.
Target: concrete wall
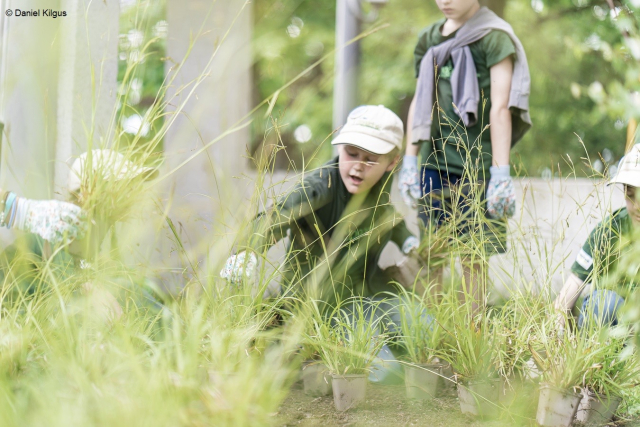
{"points": [[210, 93], [553, 220], [59, 84], [28, 99]]}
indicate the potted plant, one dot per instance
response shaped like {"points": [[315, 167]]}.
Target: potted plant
{"points": [[564, 361], [474, 361], [349, 341], [514, 325], [315, 375], [423, 338], [606, 381]]}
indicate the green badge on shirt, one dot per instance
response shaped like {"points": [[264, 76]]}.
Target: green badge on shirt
{"points": [[446, 71]]}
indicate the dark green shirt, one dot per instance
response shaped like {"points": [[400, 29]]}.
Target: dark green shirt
{"points": [[324, 221], [602, 250], [453, 144]]}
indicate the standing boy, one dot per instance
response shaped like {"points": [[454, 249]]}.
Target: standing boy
{"points": [[601, 252], [468, 64]]}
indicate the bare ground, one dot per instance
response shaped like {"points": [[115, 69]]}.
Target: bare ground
{"points": [[388, 406]]}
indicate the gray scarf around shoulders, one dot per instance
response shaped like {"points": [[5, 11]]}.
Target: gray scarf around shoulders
{"points": [[464, 81]]}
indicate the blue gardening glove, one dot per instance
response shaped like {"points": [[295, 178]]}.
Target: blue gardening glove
{"points": [[53, 220], [409, 181], [239, 266], [501, 195]]}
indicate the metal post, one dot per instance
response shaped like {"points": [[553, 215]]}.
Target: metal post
{"points": [[345, 88]]}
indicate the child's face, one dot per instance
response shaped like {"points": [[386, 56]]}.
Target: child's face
{"points": [[456, 9], [361, 170], [632, 197]]}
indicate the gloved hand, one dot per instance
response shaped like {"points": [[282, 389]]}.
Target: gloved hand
{"points": [[239, 266], [410, 244], [501, 195], [409, 181], [53, 220]]}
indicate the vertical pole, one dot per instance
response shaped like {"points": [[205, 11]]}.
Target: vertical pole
{"points": [[204, 195], [88, 81], [345, 88], [4, 31]]}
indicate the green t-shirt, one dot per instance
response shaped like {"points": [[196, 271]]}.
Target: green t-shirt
{"points": [[454, 144], [602, 250], [321, 217]]}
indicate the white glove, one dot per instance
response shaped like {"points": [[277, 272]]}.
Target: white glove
{"points": [[410, 244], [501, 195], [409, 181], [240, 266], [53, 220]]}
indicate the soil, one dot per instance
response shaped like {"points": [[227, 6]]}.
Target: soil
{"points": [[388, 406]]}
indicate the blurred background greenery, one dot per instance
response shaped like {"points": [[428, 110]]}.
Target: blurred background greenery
{"points": [[583, 57]]}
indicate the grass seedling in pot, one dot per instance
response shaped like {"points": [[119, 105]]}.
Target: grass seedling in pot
{"points": [[423, 341], [349, 339], [515, 323], [474, 358], [564, 361], [614, 373], [316, 376]]}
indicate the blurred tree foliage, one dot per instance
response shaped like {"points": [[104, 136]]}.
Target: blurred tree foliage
{"points": [[584, 73], [141, 56]]}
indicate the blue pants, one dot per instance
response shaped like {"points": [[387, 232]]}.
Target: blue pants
{"points": [[600, 306], [445, 195]]}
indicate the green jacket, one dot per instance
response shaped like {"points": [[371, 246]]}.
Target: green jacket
{"points": [[335, 238]]}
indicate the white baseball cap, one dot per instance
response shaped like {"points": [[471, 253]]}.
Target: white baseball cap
{"points": [[629, 168], [374, 128], [111, 164]]}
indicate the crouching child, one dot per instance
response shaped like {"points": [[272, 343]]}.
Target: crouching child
{"points": [[338, 220], [599, 256]]}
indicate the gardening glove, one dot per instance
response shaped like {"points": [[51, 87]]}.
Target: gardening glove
{"points": [[410, 244], [53, 220], [409, 181], [501, 195], [239, 266]]}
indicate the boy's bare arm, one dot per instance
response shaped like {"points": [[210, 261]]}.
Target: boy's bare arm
{"points": [[412, 149], [500, 116], [566, 299], [409, 179], [569, 294]]}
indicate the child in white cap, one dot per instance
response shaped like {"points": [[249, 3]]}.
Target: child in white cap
{"points": [[338, 219], [601, 252], [50, 223]]}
